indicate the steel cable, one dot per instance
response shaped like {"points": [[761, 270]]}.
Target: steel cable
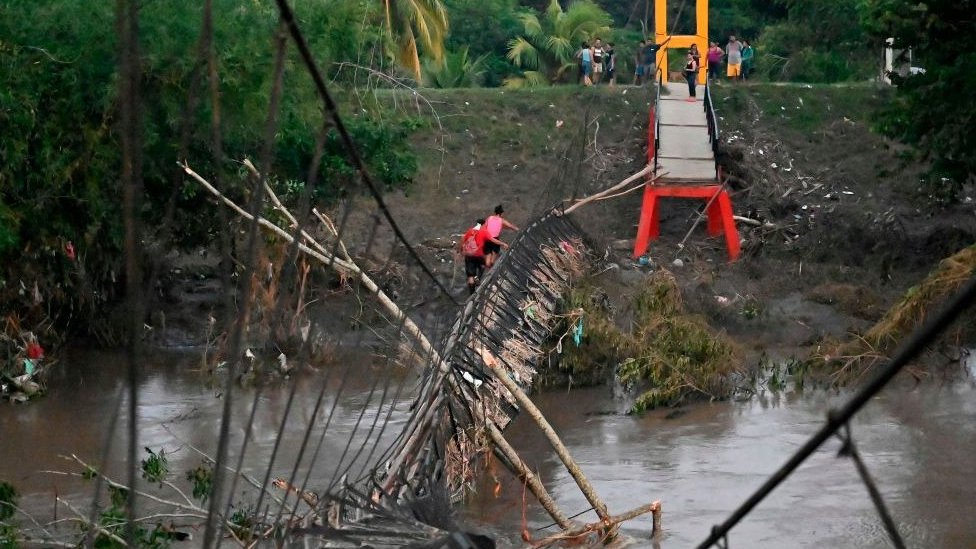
{"points": [[838, 418]]}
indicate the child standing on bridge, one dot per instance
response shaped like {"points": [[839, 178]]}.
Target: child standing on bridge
{"points": [[492, 228], [471, 247]]}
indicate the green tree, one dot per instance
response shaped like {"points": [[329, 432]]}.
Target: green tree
{"points": [[743, 18], [819, 41], [547, 48], [932, 111], [468, 30], [59, 156], [411, 21]]}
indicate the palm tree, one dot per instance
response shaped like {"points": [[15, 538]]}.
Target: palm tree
{"points": [[458, 70], [547, 49], [408, 21]]}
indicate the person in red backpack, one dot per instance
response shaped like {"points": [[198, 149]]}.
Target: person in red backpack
{"points": [[472, 246]]}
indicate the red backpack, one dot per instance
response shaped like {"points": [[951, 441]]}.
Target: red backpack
{"points": [[470, 246]]}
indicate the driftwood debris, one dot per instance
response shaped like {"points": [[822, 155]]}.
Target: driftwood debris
{"points": [[476, 382]]}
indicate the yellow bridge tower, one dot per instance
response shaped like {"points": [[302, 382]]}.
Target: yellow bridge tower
{"points": [[662, 36]]}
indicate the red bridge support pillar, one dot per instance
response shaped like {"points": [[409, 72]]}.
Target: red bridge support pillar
{"points": [[719, 214]]}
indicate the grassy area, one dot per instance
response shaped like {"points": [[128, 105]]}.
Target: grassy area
{"points": [[800, 108], [530, 120]]}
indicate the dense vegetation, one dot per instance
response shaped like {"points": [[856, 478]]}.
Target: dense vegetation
{"points": [[933, 111], [60, 220]]}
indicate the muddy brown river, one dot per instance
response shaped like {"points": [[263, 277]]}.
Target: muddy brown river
{"points": [[701, 462]]}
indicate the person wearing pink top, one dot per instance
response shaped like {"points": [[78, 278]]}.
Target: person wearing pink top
{"points": [[493, 227], [714, 55]]}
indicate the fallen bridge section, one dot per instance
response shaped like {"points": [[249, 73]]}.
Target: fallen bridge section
{"points": [[509, 318]]}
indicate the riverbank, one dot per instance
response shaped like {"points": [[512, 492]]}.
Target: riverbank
{"points": [[841, 225]]}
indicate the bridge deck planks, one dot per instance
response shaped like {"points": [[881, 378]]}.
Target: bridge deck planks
{"points": [[685, 152]]}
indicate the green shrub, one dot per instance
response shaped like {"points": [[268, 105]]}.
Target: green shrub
{"points": [[668, 354]]}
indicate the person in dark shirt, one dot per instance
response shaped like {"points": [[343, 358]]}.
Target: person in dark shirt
{"points": [[639, 63], [650, 61], [611, 65], [691, 73]]}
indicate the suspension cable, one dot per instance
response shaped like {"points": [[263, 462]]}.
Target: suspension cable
{"points": [[838, 418]]}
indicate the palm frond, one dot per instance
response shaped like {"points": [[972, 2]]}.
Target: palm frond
{"points": [[553, 12], [456, 70], [529, 79], [429, 19], [584, 20], [523, 53], [564, 71], [561, 48], [531, 25]]}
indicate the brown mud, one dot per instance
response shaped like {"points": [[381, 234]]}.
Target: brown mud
{"points": [[847, 228]]}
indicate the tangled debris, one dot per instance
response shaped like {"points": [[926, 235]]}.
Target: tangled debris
{"points": [[666, 357], [22, 365], [850, 359]]}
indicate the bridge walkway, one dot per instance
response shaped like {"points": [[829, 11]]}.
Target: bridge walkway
{"points": [[685, 152]]}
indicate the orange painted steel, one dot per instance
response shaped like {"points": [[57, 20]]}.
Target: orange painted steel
{"points": [[719, 214], [662, 35]]}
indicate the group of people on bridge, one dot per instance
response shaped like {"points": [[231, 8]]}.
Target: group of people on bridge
{"points": [[480, 245], [738, 56], [598, 62]]}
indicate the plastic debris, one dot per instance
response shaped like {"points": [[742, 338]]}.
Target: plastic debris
{"points": [[471, 379], [35, 351], [578, 332]]}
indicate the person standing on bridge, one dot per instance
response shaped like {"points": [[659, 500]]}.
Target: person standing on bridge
{"points": [[650, 60], [472, 246], [695, 53], [493, 228], [691, 74]]}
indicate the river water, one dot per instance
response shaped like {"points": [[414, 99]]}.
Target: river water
{"points": [[919, 443]]}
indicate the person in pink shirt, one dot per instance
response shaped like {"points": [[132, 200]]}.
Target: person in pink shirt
{"points": [[493, 227], [714, 55]]}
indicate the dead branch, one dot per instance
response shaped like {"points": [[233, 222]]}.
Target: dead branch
{"points": [[347, 266], [84, 521], [529, 407], [593, 527], [644, 171]]}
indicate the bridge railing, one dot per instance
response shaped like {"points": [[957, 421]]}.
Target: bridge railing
{"points": [[654, 123], [712, 121]]}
